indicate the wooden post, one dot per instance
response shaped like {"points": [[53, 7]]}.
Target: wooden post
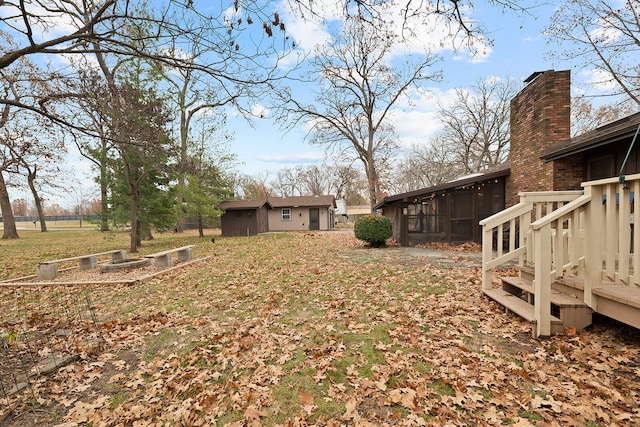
{"points": [[624, 233], [611, 235], [542, 282], [594, 227], [487, 251], [636, 232]]}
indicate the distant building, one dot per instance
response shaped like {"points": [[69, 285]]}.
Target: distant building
{"points": [[251, 217]]}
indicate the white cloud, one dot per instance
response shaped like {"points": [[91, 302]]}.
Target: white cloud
{"points": [[598, 80], [430, 34], [55, 25], [260, 111], [417, 123]]}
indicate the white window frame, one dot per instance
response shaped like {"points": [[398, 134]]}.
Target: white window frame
{"points": [[285, 214]]}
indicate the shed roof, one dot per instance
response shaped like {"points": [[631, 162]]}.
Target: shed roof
{"points": [[611, 132], [242, 204], [500, 171]]}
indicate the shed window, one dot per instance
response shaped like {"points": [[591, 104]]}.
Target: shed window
{"points": [[286, 214]]}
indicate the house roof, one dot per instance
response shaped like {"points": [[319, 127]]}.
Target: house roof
{"points": [[611, 132], [500, 171], [279, 202], [305, 201], [242, 204]]}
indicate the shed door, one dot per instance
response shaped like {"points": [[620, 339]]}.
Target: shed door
{"points": [[314, 219]]}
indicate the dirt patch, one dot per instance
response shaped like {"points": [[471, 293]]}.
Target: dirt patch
{"points": [[400, 255]]}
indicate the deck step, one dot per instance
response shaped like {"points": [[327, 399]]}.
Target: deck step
{"points": [[515, 304], [518, 296], [522, 308], [558, 298]]}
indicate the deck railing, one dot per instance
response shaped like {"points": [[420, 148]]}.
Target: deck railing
{"points": [[586, 234], [507, 235]]}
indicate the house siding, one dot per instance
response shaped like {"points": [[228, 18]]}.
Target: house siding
{"points": [[299, 219], [540, 117]]}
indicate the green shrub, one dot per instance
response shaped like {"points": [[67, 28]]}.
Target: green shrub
{"points": [[373, 229]]}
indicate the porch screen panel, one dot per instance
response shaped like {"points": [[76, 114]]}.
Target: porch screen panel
{"points": [[462, 216], [434, 216], [413, 218]]}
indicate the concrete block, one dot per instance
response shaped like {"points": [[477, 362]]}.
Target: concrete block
{"points": [[88, 263], [46, 271], [185, 254]]}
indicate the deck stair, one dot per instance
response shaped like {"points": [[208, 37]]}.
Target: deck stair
{"points": [[517, 296]]}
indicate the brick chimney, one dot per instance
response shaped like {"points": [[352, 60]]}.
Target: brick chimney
{"points": [[540, 117]]}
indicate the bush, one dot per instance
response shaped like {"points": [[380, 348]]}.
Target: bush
{"points": [[373, 229]]}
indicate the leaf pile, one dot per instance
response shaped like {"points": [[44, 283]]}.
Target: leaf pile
{"points": [[302, 329]]}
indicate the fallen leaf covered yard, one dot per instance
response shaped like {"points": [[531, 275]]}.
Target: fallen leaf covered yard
{"points": [[316, 329]]}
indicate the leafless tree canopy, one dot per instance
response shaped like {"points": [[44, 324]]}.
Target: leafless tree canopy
{"points": [[475, 137], [357, 90], [242, 45], [476, 124], [586, 117], [603, 36], [454, 14]]}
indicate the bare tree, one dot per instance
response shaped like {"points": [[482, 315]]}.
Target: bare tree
{"points": [[425, 166], [348, 183], [454, 15], [315, 180], [252, 187], [357, 90], [240, 42], [586, 117], [287, 182], [24, 141], [476, 124], [343, 181], [603, 36]]}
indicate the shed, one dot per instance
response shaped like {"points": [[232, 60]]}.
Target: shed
{"points": [[245, 217]]}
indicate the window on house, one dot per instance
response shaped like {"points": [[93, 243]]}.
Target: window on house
{"points": [[286, 214]]}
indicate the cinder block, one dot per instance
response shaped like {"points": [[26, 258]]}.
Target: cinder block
{"points": [[46, 271], [164, 261], [88, 263], [185, 254]]}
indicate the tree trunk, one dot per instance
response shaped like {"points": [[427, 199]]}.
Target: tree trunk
{"points": [[134, 220], [145, 234], [372, 184], [9, 222], [37, 200], [104, 203], [179, 228], [200, 230]]}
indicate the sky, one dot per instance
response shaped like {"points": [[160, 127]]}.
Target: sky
{"points": [[518, 50]]}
